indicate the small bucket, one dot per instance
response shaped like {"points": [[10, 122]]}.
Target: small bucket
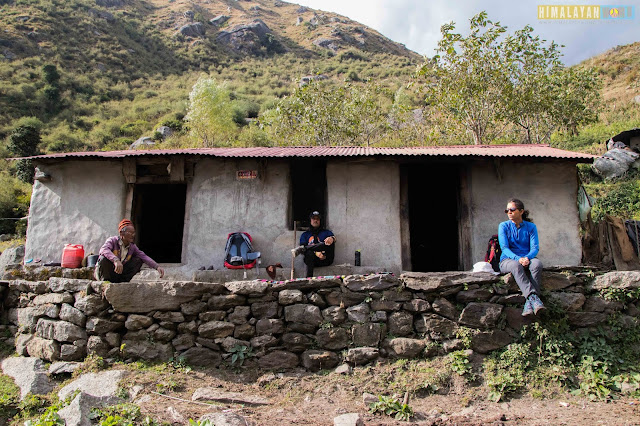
{"points": [[92, 260]]}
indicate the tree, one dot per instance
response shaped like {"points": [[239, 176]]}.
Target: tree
{"points": [[543, 95], [51, 74], [210, 113], [322, 114], [14, 201], [467, 79], [23, 142], [489, 81], [51, 91]]}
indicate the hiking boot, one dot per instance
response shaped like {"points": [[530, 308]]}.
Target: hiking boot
{"points": [[536, 303], [528, 309], [298, 250]]}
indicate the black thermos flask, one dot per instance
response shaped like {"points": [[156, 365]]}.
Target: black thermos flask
{"points": [[357, 262]]}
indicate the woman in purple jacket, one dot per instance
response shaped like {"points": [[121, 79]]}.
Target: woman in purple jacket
{"points": [[120, 259]]}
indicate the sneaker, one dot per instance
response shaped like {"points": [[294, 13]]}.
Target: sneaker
{"points": [[528, 309], [298, 250], [536, 303]]}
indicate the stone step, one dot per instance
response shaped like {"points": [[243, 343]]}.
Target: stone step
{"points": [[226, 275]]}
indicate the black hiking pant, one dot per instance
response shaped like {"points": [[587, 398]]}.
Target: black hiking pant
{"points": [[106, 270], [311, 260]]}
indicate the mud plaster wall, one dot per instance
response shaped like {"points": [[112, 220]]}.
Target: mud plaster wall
{"points": [[82, 204], [218, 203], [549, 192], [362, 212], [85, 200]]}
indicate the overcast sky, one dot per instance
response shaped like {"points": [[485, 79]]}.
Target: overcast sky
{"points": [[416, 23]]}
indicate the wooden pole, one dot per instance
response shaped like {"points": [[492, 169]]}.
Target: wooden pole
{"points": [[293, 256]]}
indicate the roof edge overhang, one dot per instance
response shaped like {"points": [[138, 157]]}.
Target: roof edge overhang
{"points": [[533, 152]]}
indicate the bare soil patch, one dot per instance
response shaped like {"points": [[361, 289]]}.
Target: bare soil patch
{"points": [[437, 397]]}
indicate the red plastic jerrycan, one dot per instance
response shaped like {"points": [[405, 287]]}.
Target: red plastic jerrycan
{"points": [[72, 255]]}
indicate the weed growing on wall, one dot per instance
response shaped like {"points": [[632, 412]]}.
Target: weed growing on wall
{"points": [[620, 294], [240, 354], [598, 364], [460, 364]]}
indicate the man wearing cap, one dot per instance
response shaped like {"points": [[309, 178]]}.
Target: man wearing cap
{"points": [[120, 259], [317, 244]]}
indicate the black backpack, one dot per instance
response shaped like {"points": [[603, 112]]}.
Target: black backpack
{"points": [[493, 253]]}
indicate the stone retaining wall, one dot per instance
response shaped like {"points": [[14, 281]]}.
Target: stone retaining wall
{"points": [[314, 323]]}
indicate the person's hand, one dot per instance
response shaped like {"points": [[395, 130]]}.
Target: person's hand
{"points": [[329, 240], [321, 255], [161, 272], [524, 261], [118, 267]]}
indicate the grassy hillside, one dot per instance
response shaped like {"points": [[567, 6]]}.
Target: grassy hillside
{"points": [[124, 70], [619, 70]]}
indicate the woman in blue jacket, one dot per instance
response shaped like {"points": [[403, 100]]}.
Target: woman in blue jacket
{"points": [[518, 238]]}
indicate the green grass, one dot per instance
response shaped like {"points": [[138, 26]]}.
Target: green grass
{"points": [[551, 358], [9, 397]]}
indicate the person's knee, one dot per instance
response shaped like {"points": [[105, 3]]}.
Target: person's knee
{"points": [[512, 266], [309, 258], [535, 264], [135, 264]]}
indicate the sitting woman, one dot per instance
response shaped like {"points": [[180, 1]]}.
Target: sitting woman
{"points": [[518, 238]]}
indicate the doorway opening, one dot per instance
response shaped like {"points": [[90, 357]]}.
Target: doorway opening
{"points": [[158, 215], [308, 191], [433, 217]]}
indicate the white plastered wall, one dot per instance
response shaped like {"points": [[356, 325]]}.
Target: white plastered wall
{"points": [[218, 204], [82, 204], [364, 211], [549, 192]]}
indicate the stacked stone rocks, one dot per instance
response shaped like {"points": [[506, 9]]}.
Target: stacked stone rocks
{"points": [[315, 323]]}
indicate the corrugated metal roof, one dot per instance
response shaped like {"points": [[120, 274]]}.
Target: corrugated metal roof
{"points": [[534, 151]]}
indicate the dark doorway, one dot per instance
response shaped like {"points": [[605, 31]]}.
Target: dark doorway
{"points": [[308, 190], [158, 215], [433, 217]]}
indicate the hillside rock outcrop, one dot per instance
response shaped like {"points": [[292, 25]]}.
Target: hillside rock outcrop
{"points": [[250, 38]]}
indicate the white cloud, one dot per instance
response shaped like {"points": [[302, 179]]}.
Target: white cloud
{"points": [[416, 23]]}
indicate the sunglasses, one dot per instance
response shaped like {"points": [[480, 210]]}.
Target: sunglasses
{"points": [[510, 210]]}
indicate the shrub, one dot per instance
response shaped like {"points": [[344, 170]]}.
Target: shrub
{"points": [[622, 200]]}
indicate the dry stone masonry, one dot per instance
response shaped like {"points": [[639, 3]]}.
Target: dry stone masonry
{"points": [[316, 323]]}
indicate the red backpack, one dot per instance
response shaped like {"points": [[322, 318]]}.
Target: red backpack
{"points": [[493, 253]]}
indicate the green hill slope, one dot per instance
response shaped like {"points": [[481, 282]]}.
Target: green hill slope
{"points": [[127, 66]]}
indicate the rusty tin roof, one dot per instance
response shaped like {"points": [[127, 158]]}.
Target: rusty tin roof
{"points": [[514, 151]]}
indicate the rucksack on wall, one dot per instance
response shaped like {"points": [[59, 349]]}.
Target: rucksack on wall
{"points": [[493, 253], [239, 251]]}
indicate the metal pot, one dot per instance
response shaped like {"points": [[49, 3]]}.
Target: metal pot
{"points": [[92, 260]]}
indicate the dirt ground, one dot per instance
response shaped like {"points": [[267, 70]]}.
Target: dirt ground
{"points": [[302, 398]]}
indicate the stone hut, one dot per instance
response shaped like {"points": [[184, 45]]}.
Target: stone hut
{"points": [[407, 209]]}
